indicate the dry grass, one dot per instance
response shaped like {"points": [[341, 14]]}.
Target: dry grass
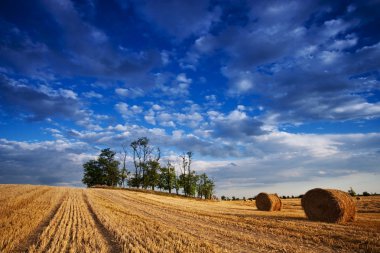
{"points": [[138, 232], [128, 221], [22, 209], [72, 229]]}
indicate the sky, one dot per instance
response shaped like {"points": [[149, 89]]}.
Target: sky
{"points": [[275, 96]]}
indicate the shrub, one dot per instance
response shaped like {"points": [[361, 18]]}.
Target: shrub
{"points": [[366, 194]]}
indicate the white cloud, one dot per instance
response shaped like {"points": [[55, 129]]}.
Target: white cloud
{"points": [[119, 127], [68, 93], [137, 109], [277, 160], [130, 92], [362, 108], [181, 78], [177, 134], [301, 144], [46, 162], [341, 44], [122, 108], [329, 57], [127, 111], [164, 116], [177, 89], [236, 115], [156, 107], [150, 117], [335, 26], [92, 94]]}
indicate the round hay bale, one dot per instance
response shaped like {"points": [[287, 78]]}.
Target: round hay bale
{"points": [[268, 202], [328, 205]]}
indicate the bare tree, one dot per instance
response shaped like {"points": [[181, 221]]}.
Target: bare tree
{"points": [[124, 172], [145, 156]]}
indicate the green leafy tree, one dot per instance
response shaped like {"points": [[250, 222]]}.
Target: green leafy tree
{"points": [[152, 175], [205, 186], [366, 194], [103, 171], [124, 173], [189, 183], [143, 155], [351, 192], [188, 179], [168, 177], [177, 184], [93, 174], [141, 150], [110, 166]]}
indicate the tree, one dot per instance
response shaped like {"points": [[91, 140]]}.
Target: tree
{"points": [[366, 194], [209, 189], [103, 171], [152, 175], [143, 154], [140, 154], [93, 174], [205, 186], [124, 173], [110, 166], [189, 183], [177, 184], [351, 192], [168, 177], [188, 179]]}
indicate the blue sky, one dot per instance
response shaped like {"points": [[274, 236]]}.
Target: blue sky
{"points": [[277, 96]]}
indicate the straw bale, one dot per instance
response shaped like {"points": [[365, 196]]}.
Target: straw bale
{"points": [[268, 202], [329, 205]]}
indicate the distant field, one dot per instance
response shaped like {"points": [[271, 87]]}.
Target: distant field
{"points": [[54, 219]]}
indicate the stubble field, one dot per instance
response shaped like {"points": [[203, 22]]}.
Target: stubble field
{"points": [[54, 219]]}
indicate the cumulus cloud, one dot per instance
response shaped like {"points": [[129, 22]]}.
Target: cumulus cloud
{"points": [[39, 102], [178, 88], [130, 92], [47, 162], [302, 68], [284, 158], [226, 85], [127, 111], [150, 117], [236, 125], [92, 94]]}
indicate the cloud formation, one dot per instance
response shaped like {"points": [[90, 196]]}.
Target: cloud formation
{"points": [[38, 102], [49, 162], [265, 93]]}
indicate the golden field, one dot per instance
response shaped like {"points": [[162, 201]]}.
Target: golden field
{"points": [[58, 219]]}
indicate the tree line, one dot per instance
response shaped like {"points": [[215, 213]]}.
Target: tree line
{"points": [[148, 171]]}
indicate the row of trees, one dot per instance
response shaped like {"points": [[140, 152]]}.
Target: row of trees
{"points": [[148, 171]]}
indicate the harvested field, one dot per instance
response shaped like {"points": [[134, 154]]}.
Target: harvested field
{"points": [[72, 229], [103, 220]]}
